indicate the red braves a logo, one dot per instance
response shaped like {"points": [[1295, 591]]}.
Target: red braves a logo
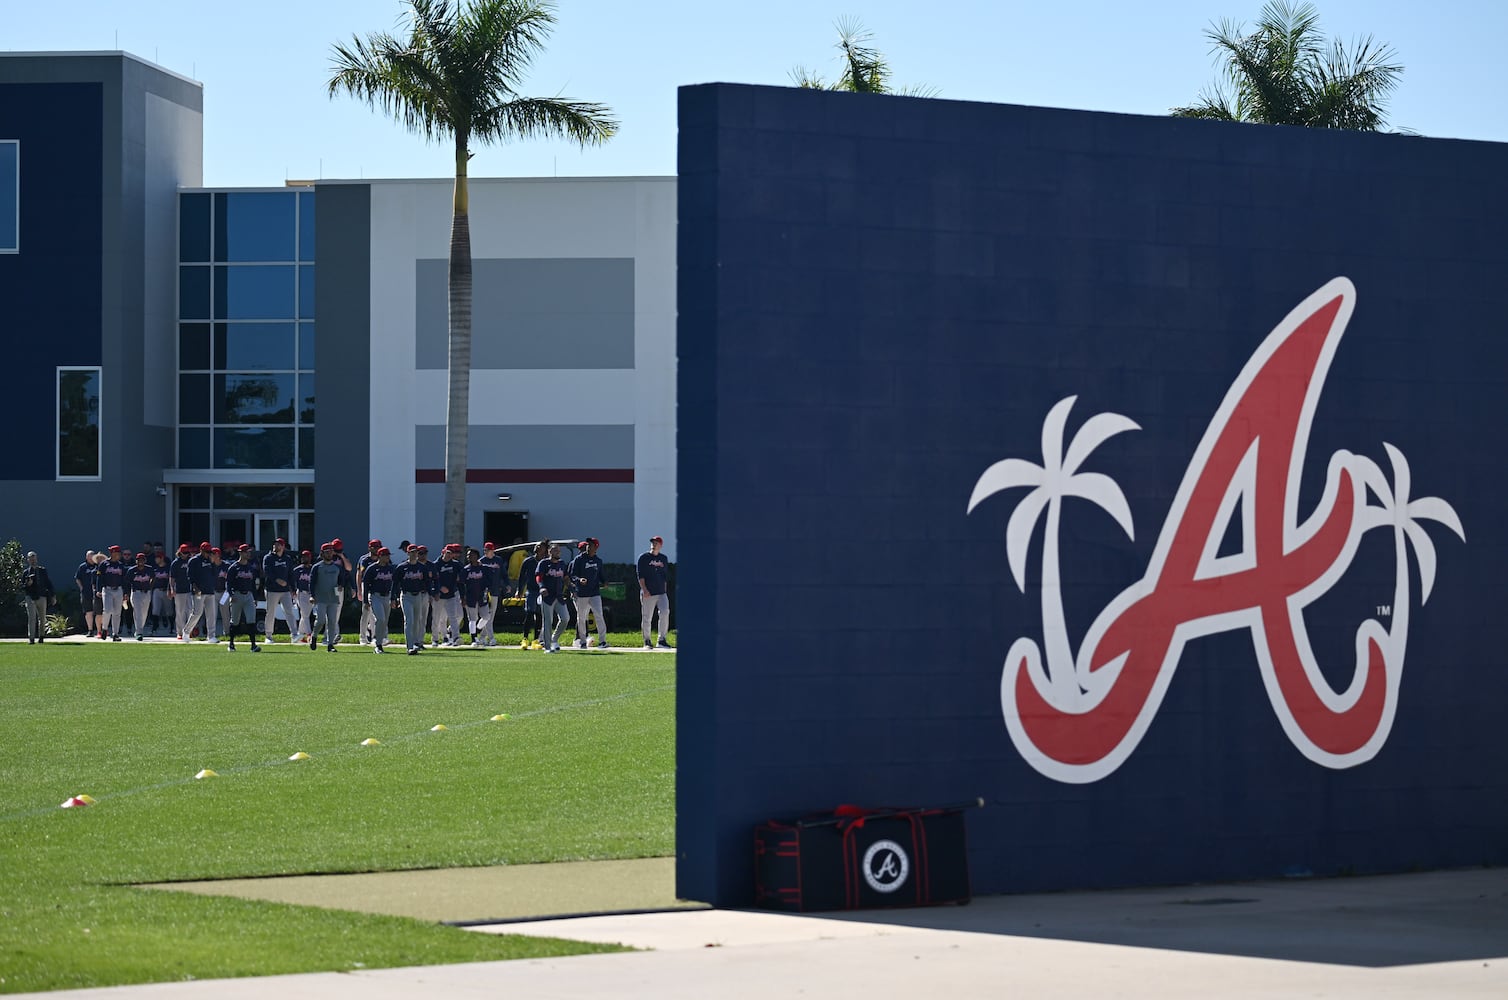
{"points": [[1077, 717]]}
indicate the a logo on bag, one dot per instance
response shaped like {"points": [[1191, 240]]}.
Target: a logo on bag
{"points": [[1077, 716], [886, 866]]}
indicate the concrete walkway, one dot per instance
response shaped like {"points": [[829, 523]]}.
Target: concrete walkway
{"points": [[1432, 935]]}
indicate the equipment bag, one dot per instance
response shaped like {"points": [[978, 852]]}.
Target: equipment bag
{"points": [[855, 858]]}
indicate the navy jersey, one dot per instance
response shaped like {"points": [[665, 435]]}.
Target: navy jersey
{"points": [[414, 578], [178, 571], [380, 580], [222, 570], [277, 572], [475, 588], [303, 578], [552, 580], [112, 574], [162, 576], [652, 572], [142, 578], [526, 573], [494, 567], [447, 579], [201, 571], [586, 574], [242, 578], [86, 578]]}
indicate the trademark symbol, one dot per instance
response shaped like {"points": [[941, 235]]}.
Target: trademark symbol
{"points": [[1384, 611]]}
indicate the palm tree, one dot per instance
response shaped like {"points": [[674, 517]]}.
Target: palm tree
{"points": [[1283, 73], [865, 70], [1057, 477], [456, 76], [1403, 513]]}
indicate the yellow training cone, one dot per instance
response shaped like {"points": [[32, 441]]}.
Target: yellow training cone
{"points": [[299, 756], [442, 727], [370, 742], [500, 718], [206, 773], [77, 801]]}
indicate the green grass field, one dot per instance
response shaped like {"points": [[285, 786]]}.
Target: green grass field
{"points": [[583, 769]]}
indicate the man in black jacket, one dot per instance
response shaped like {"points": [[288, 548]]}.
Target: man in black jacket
{"points": [[37, 587]]}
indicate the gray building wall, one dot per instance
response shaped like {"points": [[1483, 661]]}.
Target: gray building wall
{"points": [[343, 361], [152, 140], [529, 313]]}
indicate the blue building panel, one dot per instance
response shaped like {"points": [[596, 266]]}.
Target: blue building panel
{"points": [[1126, 472], [50, 290]]}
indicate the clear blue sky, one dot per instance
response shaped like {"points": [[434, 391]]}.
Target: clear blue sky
{"points": [[263, 66]]}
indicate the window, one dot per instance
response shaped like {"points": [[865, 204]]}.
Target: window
{"points": [[245, 333], [10, 196], [78, 423]]}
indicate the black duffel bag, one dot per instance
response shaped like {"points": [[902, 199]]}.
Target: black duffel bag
{"points": [[854, 858]]}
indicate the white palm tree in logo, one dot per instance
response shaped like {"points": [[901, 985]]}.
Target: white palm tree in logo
{"points": [[1057, 477], [1404, 514]]}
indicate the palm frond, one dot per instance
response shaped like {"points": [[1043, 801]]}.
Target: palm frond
{"points": [[459, 70], [582, 122], [1280, 72]]}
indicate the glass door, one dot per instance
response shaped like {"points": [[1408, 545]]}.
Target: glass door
{"points": [[271, 527], [234, 529]]}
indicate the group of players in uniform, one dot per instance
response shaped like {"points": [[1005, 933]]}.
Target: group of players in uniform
{"points": [[204, 592]]}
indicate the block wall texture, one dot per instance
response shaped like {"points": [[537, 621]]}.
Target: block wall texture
{"points": [[1300, 336]]}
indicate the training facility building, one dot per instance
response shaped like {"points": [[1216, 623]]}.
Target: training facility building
{"points": [[194, 363]]}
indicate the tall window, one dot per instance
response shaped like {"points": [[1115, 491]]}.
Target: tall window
{"points": [[78, 423], [246, 330], [10, 196]]}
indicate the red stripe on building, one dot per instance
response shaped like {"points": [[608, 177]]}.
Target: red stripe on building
{"points": [[531, 475]]}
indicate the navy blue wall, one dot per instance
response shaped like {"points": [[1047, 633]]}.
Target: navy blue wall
{"points": [[881, 297], [50, 292]]}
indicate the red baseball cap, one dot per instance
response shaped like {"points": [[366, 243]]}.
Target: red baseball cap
{"points": [[384, 551], [375, 543], [657, 538], [204, 546], [582, 545], [488, 545], [335, 544], [115, 548], [214, 552], [280, 541], [306, 552], [421, 548], [244, 548]]}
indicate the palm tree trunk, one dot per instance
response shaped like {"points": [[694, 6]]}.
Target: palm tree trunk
{"points": [[1059, 653], [458, 413]]}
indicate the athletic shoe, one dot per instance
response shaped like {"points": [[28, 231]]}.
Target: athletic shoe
{"points": [[412, 651], [313, 646], [231, 648], [535, 645], [139, 637], [664, 644], [523, 644], [115, 638], [602, 644], [376, 649], [330, 648], [648, 644], [578, 644], [255, 648]]}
